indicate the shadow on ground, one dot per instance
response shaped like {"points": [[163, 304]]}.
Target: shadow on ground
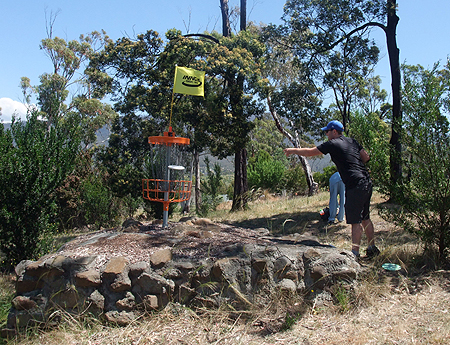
{"points": [[290, 223]]}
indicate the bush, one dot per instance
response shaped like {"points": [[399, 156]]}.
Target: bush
{"points": [[85, 199], [99, 207], [68, 195], [210, 189], [126, 163], [34, 161], [265, 172], [295, 180], [423, 194]]}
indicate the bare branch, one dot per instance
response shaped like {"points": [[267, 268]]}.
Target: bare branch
{"points": [[346, 36]]}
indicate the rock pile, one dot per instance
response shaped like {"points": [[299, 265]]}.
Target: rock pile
{"points": [[120, 274]]}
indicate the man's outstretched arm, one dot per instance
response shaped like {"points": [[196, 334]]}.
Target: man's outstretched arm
{"points": [[304, 151]]}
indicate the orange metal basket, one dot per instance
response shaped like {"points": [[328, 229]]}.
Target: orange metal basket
{"points": [[162, 188], [179, 190]]}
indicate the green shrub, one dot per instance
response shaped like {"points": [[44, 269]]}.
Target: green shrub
{"points": [[374, 134], [68, 196], [34, 161], [295, 180], [423, 194], [7, 293], [210, 188], [98, 204], [265, 172]]}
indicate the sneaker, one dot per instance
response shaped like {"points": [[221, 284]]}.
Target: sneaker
{"points": [[372, 251], [331, 222], [356, 254]]}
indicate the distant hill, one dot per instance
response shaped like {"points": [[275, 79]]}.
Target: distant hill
{"points": [[227, 165]]}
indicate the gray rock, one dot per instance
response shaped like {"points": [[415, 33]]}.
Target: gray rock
{"points": [[66, 299], [153, 284], [131, 225], [150, 302], [122, 318], [287, 285], [128, 303], [96, 302], [90, 278], [135, 270]]}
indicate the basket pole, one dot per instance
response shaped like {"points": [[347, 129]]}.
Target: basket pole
{"points": [[166, 193]]}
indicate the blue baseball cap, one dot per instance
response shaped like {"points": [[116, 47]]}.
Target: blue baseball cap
{"points": [[334, 125]]}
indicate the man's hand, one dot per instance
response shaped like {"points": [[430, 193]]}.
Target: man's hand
{"points": [[364, 156], [289, 151]]}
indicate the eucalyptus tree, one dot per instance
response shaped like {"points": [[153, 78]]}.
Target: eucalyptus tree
{"points": [[371, 98], [63, 96], [127, 71], [346, 70], [238, 83], [191, 113], [233, 69], [237, 65], [139, 75], [293, 96], [65, 89], [265, 136], [316, 27]]}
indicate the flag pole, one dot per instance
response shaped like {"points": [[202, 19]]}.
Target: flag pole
{"points": [[171, 107]]}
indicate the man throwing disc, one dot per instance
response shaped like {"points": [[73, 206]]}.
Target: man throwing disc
{"points": [[350, 158]]}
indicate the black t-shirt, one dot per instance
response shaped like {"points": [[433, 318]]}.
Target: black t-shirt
{"points": [[345, 154]]}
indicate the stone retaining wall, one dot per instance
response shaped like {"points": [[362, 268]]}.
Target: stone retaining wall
{"points": [[120, 291]]}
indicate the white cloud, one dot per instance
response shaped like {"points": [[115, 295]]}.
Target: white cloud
{"points": [[10, 107]]}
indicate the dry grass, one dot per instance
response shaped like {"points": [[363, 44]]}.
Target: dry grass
{"points": [[398, 317], [411, 306]]}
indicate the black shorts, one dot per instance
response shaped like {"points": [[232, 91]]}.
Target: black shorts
{"points": [[357, 203]]}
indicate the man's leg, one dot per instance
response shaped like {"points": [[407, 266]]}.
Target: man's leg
{"points": [[370, 233], [357, 231], [372, 250]]}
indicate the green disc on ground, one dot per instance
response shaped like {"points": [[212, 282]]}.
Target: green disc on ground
{"points": [[391, 267]]}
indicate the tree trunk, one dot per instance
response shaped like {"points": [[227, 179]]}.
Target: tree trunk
{"points": [[312, 186], [243, 15], [240, 195], [397, 116], [198, 193], [226, 28]]}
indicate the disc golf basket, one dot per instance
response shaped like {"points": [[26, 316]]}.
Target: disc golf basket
{"points": [[168, 183]]}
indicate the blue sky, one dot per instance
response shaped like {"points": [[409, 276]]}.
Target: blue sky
{"points": [[422, 33]]}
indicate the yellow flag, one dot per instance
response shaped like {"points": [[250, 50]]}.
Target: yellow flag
{"points": [[189, 81]]}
